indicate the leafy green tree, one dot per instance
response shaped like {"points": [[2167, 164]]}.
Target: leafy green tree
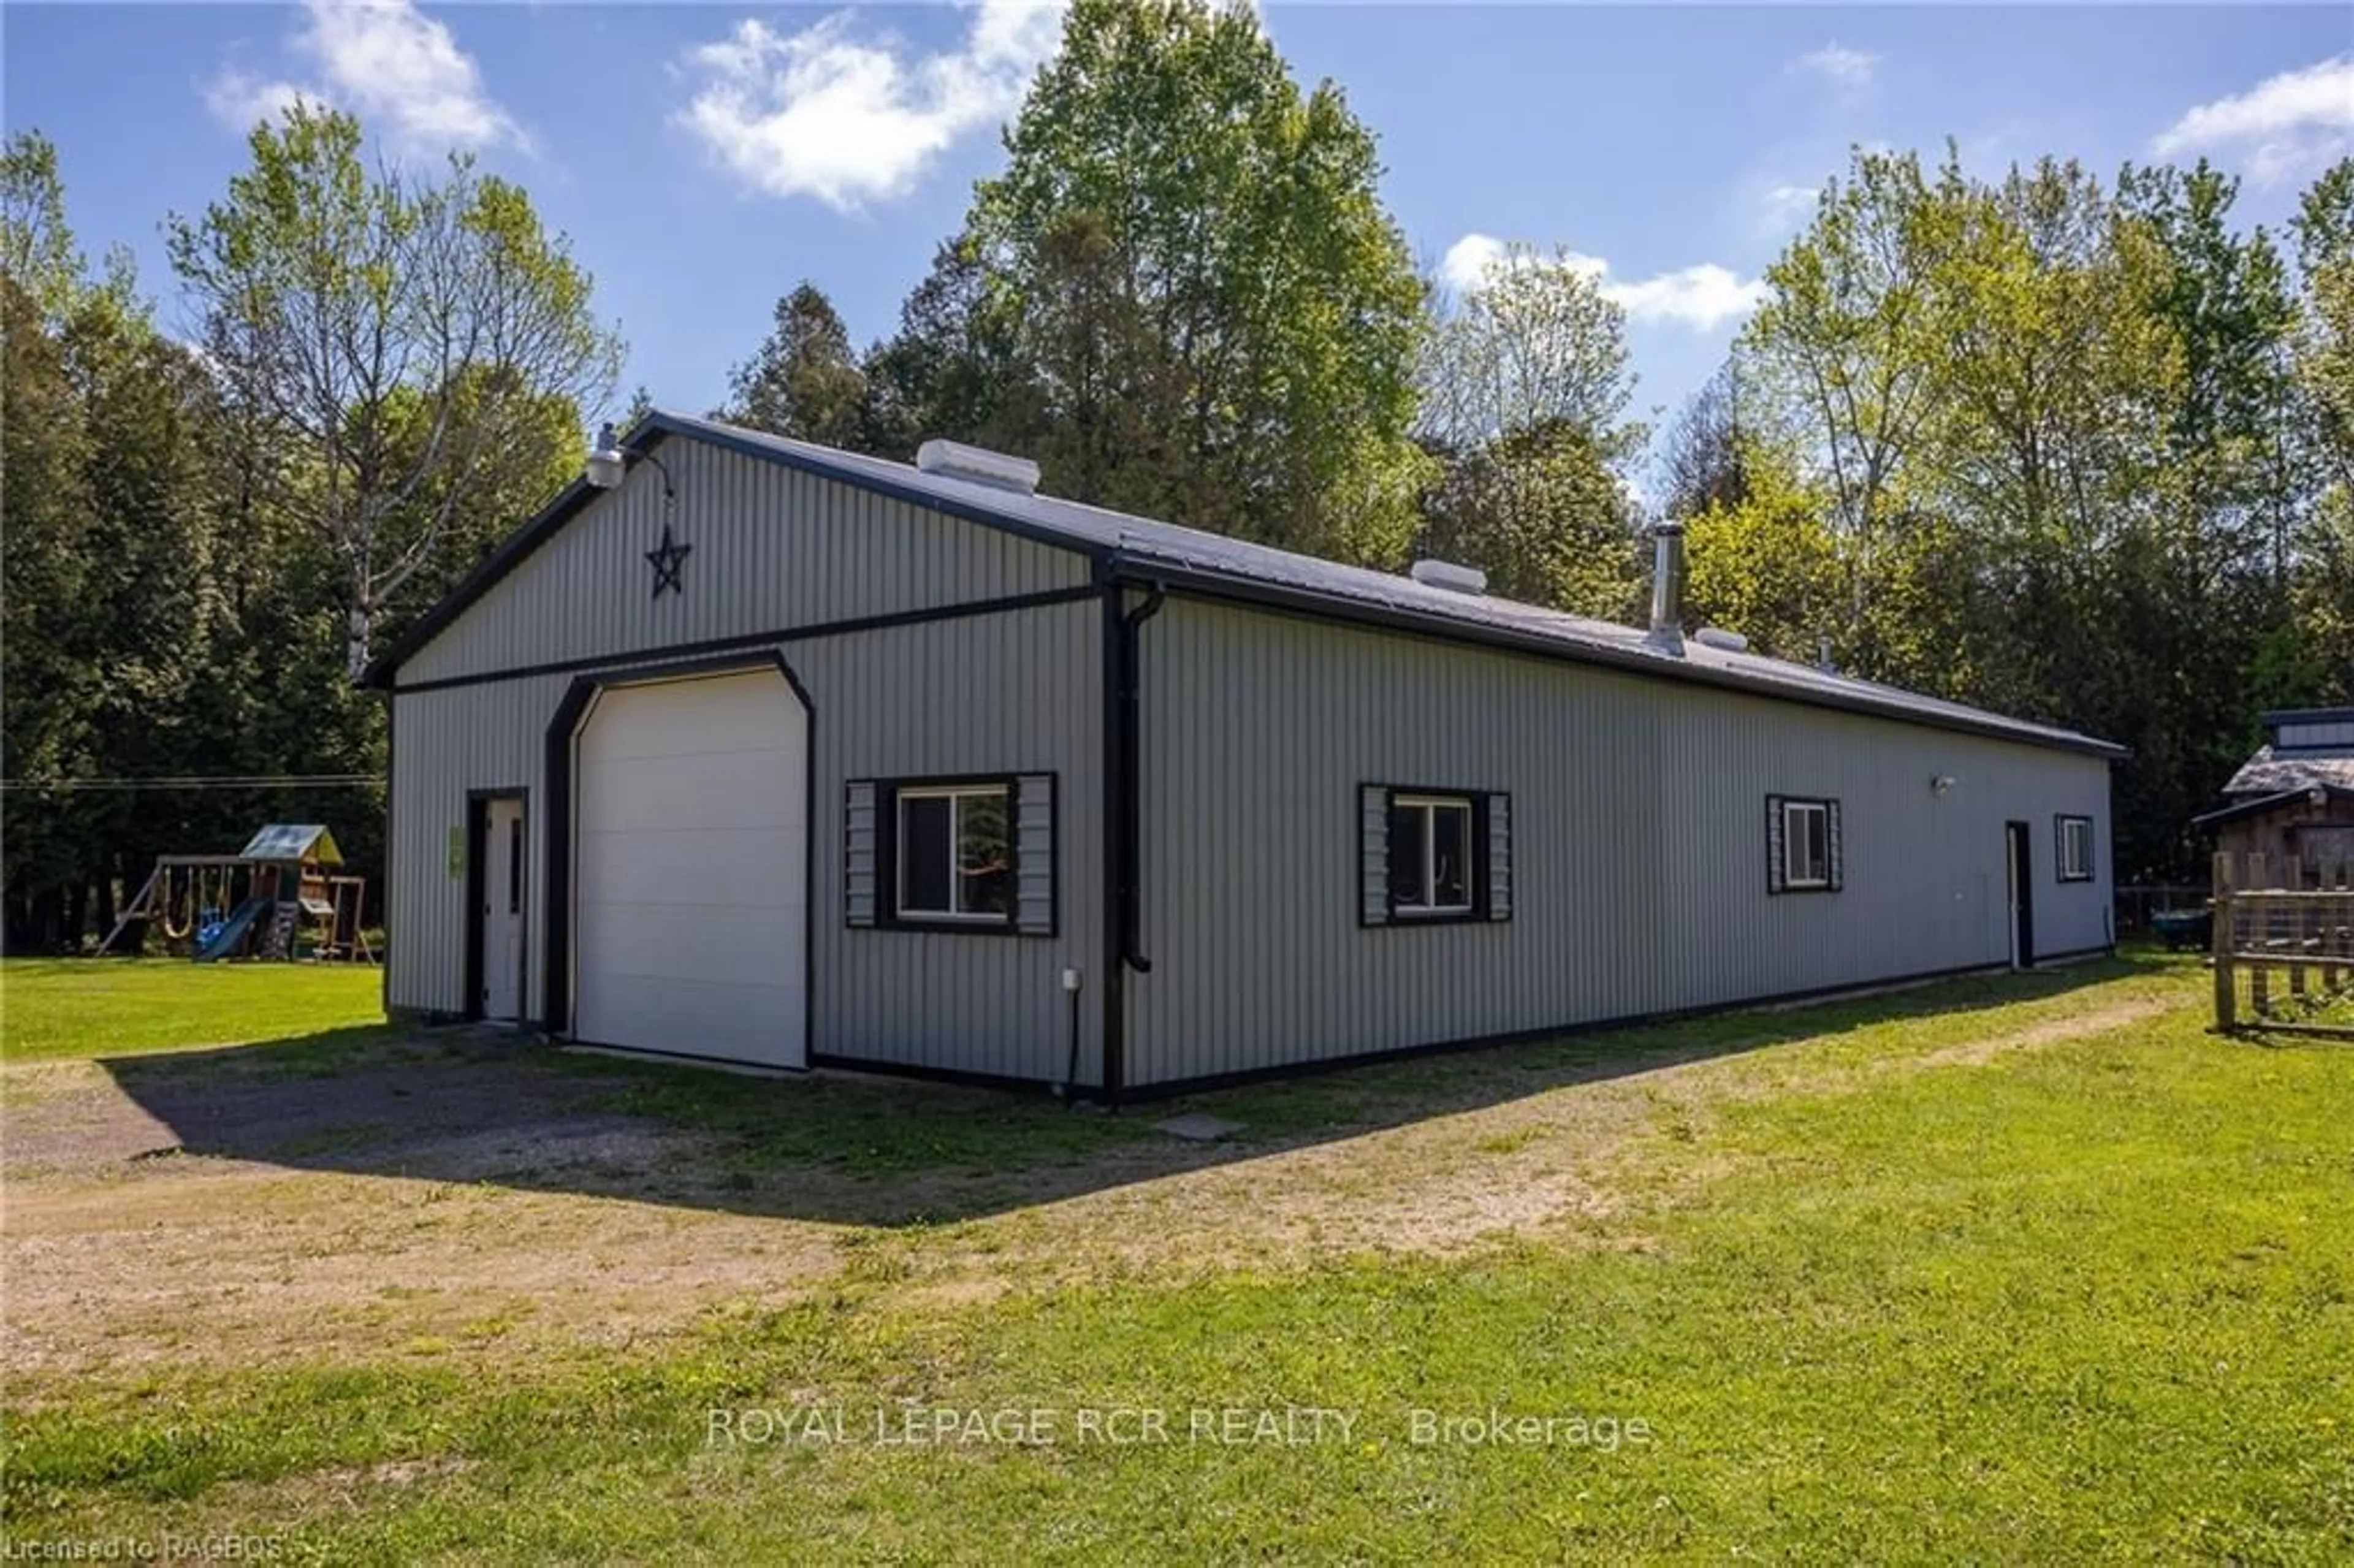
{"points": [[1534, 342], [2324, 358], [349, 309], [803, 381], [1704, 461], [38, 252], [2323, 364], [47, 692], [1542, 513], [1840, 361], [1765, 564], [948, 369], [1242, 294]]}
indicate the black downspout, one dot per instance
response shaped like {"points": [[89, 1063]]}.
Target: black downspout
{"points": [[384, 882], [1123, 817]]}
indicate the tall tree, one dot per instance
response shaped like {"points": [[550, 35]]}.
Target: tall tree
{"points": [[36, 245], [2323, 360], [1525, 388], [1542, 513], [1764, 563], [1703, 461], [389, 334], [1837, 351], [1243, 294], [803, 381], [1531, 341], [948, 369]]}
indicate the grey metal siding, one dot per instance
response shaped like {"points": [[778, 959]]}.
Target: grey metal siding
{"points": [[1638, 844], [771, 548], [1015, 692]]}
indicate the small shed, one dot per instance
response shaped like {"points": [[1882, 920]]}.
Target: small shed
{"points": [[2292, 801]]}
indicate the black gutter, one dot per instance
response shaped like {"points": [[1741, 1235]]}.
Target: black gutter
{"points": [[1123, 815], [1198, 583]]}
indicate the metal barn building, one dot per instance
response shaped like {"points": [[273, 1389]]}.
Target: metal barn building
{"points": [[757, 751]]}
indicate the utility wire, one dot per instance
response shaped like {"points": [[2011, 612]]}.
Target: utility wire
{"points": [[203, 781]]}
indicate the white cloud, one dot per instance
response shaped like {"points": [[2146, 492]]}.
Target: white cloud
{"points": [[1849, 68], [824, 112], [402, 72], [240, 98], [1702, 297], [2281, 128], [1784, 208]]}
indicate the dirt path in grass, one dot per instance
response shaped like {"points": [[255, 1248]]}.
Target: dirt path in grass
{"points": [[481, 1201], [1978, 1053]]}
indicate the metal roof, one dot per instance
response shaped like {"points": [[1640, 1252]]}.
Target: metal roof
{"points": [[2258, 805], [293, 841], [2287, 770], [1146, 550]]}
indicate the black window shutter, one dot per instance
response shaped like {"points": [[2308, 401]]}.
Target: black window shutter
{"points": [[1034, 854], [1838, 859], [1777, 863], [862, 853], [1374, 856], [1498, 862]]}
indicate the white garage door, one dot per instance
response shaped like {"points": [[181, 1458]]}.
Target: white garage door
{"points": [[691, 817]]}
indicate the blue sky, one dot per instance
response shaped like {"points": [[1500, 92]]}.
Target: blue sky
{"points": [[704, 158]]}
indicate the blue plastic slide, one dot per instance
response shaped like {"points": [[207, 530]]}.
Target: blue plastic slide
{"points": [[216, 940]]}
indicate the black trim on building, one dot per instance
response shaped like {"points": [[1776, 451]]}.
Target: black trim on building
{"points": [[1479, 913], [2019, 853], [749, 639], [1311, 605], [887, 914], [477, 930], [1235, 586], [651, 432], [2060, 821], [1210, 1081], [1778, 845], [1123, 814], [555, 1014]]}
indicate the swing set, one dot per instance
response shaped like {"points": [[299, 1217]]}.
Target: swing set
{"points": [[280, 897]]}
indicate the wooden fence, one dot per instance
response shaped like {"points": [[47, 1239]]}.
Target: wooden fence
{"points": [[2136, 902], [2287, 919]]}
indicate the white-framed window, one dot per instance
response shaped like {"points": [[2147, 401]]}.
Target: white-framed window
{"points": [[1431, 855], [953, 852], [1806, 844], [2076, 850]]}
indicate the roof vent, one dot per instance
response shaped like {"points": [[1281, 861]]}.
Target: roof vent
{"points": [[1718, 637], [977, 465], [1446, 575]]}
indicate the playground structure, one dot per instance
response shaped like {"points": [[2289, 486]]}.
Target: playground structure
{"points": [[280, 897]]}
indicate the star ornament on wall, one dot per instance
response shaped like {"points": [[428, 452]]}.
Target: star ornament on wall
{"points": [[666, 559]]}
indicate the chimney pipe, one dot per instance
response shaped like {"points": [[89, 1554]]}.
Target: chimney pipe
{"points": [[1667, 633]]}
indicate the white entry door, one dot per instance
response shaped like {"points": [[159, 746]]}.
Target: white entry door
{"points": [[691, 847], [503, 860]]}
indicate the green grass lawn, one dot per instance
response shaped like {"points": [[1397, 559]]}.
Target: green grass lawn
{"points": [[57, 1008], [1922, 1279]]}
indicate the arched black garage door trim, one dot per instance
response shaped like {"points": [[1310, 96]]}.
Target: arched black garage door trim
{"points": [[557, 998]]}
